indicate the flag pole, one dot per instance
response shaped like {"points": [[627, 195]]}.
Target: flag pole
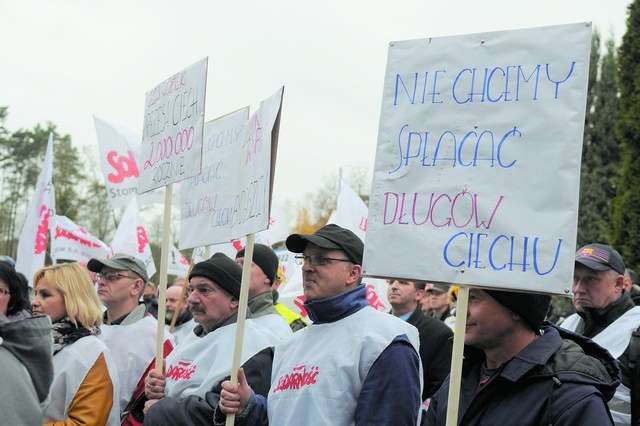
{"points": [[162, 286]]}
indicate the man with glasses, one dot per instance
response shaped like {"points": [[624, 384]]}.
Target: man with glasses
{"points": [[204, 357], [128, 330], [353, 365]]}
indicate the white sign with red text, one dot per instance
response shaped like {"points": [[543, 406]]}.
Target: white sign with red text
{"points": [[173, 128]]}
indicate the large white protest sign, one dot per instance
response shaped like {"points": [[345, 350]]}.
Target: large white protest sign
{"points": [[478, 159], [173, 128], [71, 242], [32, 246], [231, 198]]}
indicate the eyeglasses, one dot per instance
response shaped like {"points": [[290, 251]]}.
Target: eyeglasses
{"points": [[110, 276], [5, 292], [317, 260], [204, 291]]}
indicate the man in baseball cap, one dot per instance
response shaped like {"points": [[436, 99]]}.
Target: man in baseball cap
{"points": [[606, 313], [356, 358], [517, 370]]}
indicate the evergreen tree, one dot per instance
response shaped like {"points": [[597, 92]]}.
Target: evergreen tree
{"points": [[600, 151], [626, 206]]}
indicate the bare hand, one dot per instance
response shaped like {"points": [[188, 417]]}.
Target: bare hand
{"points": [[235, 398], [154, 385]]}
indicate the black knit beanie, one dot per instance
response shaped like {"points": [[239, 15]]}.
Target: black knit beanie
{"points": [[531, 307], [222, 270], [265, 258]]}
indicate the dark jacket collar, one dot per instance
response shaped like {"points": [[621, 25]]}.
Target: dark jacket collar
{"points": [[596, 320], [337, 307]]}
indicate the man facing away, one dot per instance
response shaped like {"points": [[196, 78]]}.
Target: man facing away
{"points": [[518, 371], [128, 330], [606, 314], [436, 339], [263, 274], [205, 356], [349, 366]]}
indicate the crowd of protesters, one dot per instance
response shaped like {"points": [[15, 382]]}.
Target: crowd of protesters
{"points": [[79, 348]]}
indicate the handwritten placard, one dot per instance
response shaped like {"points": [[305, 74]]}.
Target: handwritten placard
{"points": [[231, 197], [173, 128], [478, 159]]}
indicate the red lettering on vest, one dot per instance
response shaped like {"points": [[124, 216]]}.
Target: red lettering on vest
{"points": [[299, 302], [298, 378], [183, 371]]}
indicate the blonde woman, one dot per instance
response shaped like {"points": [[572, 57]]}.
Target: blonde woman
{"points": [[84, 388]]}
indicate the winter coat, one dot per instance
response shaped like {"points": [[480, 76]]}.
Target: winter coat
{"points": [[562, 378]]}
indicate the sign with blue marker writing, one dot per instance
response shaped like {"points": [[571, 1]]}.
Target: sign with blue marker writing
{"points": [[477, 165], [231, 198], [171, 147]]}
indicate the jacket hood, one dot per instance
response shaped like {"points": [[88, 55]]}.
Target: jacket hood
{"points": [[584, 361], [31, 342]]}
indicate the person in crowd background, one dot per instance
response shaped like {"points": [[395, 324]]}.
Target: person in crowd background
{"points": [[264, 269], [606, 314], [517, 370], [128, 329], [355, 359], [25, 355], [184, 323], [84, 388], [436, 339], [439, 306]]}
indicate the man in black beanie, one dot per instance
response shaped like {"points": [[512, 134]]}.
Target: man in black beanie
{"points": [[204, 357], [517, 370]]}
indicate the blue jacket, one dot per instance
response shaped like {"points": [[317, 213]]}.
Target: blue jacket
{"points": [[395, 372], [562, 378]]}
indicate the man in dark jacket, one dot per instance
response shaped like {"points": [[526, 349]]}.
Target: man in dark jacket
{"points": [[606, 314], [518, 371], [436, 339]]}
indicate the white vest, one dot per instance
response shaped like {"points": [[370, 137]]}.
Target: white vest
{"points": [[133, 348], [70, 367], [180, 332], [318, 372], [276, 323], [199, 363], [615, 338]]}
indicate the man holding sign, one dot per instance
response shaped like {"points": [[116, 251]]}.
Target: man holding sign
{"points": [[350, 364], [518, 371]]}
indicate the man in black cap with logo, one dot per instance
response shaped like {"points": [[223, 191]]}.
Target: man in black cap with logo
{"points": [[352, 365], [606, 314], [129, 330], [204, 357], [517, 370]]}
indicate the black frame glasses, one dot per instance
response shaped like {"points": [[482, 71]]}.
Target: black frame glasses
{"points": [[317, 260], [111, 276]]}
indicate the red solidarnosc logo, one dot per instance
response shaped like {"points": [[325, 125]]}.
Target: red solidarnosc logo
{"points": [[183, 371], [298, 378], [124, 166], [142, 239], [299, 301], [43, 226], [237, 245]]}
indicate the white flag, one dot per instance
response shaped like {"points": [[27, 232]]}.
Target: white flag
{"points": [[131, 237], [351, 212], [178, 264], [119, 159], [32, 245], [278, 229], [70, 242]]}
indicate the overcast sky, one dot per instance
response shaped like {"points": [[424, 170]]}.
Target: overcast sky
{"points": [[66, 60]]}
